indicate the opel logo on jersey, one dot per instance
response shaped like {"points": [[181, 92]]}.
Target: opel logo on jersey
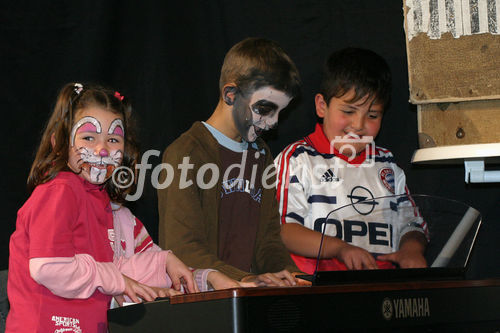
{"points": [[362, 200]]}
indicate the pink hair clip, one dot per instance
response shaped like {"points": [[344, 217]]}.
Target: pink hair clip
{"points": [[117, 95]]}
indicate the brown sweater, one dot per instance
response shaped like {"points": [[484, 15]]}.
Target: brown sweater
{"points": [[189, 216]]}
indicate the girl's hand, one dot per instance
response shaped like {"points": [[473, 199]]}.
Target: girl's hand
{"points": [[219, 280], [180, 274], [160, 292], [120, 299], [137, 291], [166, 292]]}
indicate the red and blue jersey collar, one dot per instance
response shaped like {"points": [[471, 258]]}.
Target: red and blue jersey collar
{"points": [[320, 142]]}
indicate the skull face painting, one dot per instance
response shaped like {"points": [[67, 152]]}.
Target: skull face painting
{"points": [[257, 111], [96, 144]]}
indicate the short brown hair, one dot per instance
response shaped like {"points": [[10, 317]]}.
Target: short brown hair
{"points": [[257, 62], [50, 160], [360, 69]]}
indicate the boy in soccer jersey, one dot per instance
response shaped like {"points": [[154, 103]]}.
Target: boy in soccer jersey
{"points": [[338, 164]]}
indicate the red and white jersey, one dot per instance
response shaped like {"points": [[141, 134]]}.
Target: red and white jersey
{"points": [[314, 179]]}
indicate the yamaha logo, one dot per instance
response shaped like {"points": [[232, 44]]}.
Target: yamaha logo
{"points": [[387, 309], [401, 308]]}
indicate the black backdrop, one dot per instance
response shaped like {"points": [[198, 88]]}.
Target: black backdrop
{"points": [[166, 56]]}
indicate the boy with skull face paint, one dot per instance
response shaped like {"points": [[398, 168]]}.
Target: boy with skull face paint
{"points": [[256, 113], [233, 226]]}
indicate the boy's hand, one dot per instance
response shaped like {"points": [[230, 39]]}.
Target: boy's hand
{"points": [[180, 274], [301, 282], [410, 253], [219, 280], [356, 258], [405, 259], [279, 279]]}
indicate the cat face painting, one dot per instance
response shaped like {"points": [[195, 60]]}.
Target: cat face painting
{"points": [[97, 144]]}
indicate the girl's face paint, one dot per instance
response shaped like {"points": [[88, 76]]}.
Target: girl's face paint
{"points": [[258, 112], [94, 152]]}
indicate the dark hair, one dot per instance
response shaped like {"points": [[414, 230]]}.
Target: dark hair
{"points": [[50, 160], [361, 69], [257, 62]]}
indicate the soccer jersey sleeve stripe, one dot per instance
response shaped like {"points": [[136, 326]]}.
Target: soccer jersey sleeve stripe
{"points": [[284, 177], [296, 217]]}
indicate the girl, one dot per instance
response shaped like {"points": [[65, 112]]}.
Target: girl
{"points": [[65, 264], [133, 238]]}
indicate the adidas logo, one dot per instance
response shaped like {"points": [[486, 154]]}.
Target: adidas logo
{"points": [[329, 176]]}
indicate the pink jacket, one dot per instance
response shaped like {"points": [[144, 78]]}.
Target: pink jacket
{"points": [[135, 255]]}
